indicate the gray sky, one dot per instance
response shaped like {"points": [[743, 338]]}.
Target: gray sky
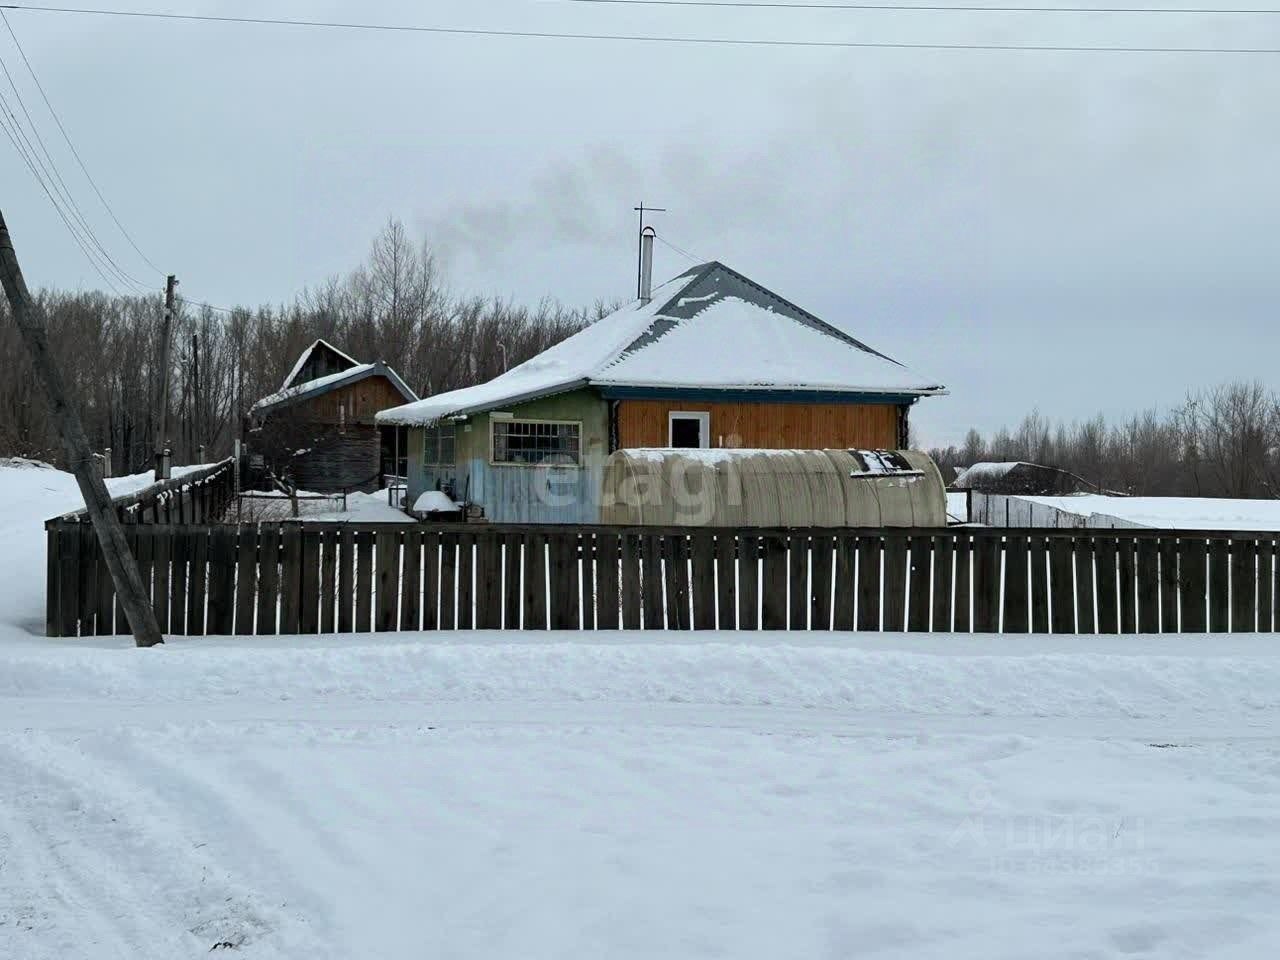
{"points": [[1077, 232]]}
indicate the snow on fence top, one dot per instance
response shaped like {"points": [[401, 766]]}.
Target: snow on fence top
{"points": [[709, 328]]}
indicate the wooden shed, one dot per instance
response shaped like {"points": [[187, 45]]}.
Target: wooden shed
{"points": [[320, 429]]}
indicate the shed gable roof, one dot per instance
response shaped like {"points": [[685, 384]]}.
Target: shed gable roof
{"points": [[340, 360], [306, 390], [710, 328]]}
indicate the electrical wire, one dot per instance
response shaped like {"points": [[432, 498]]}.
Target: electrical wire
{"points": [[684, 253], [651, 38], [50, 168], [933, 8], [74, 152]]}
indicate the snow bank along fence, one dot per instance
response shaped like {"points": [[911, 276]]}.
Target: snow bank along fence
{"points": [[200, 496], [304, 578]]}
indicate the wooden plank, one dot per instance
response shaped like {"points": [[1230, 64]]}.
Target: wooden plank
{"points": [[1148, 587], [121, 619], [88, 575], [364, 581], [675, 580], [774, 593], [347, 587], [629, 571], [104, 619], [798, 581], [179, 564], [71, 539], [246, 580], [1127, 554], [387, 550], [52, 578], [1219, 587], [944, 554], [919, 583], [268, 578], [1168, 584], [512, 565], [1244, 586], [411, 598], [896, 550], [1193, 584], [309, 583], [846, 583], [1086, 605], [328, 581], [222, 585], [1017, 606], [535, 583], [574, 580], [197, 589], [1038, 560], [1104, 559], [702, 549], [651, 582], [869, 551], [587, 575], [748, 582], [1266, 604], [606, 569], [1062, 589], [466, 581], [821, 562], [290, 578], [448, 581], [430, 597], [564, 580], [986, 583], [962, 605], [726, 580]]}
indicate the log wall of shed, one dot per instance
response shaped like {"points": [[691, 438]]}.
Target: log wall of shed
{"points": [[362, 400]]}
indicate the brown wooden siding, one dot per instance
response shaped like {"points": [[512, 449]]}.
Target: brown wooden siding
{"points": [[363, 401], [768, 426]]}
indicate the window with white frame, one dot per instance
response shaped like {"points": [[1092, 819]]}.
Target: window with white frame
{"points": [[535, 442], [438, 446]]}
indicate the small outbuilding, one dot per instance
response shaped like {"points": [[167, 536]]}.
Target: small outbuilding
{"points": [[772, 488], [1020, 479], [319, 430]]}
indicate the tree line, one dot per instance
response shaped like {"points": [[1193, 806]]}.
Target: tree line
{"points": [[1220, 442], [393, 307]]}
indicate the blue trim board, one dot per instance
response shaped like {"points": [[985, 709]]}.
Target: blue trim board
{"points": [[704, 395]]}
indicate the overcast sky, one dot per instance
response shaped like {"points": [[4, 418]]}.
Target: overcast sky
{"points": [[1077, 232]]}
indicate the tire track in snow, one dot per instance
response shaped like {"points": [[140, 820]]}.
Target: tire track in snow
{"points": [[113, 854]]}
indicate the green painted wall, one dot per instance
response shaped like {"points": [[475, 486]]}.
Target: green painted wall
{"points": [[517, 494]]}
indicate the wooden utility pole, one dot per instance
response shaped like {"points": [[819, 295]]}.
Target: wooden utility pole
{"points": [[120, 562], [162, 400]]}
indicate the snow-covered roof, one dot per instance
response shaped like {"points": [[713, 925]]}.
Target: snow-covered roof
{"points": [[311, 388], [710, 328], [306, 356]]}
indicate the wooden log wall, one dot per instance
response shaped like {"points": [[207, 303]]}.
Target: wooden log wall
{"points": [[296, 578]]}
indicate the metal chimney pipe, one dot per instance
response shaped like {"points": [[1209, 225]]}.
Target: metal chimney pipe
{"points": [[646, 263]]}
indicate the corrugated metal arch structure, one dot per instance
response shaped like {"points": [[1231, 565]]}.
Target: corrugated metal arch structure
{"points": [[772, 488]]}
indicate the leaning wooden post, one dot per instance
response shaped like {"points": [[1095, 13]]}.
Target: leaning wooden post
{"points": [[124, 569]]}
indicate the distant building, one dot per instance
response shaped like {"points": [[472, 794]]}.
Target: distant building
{"points": [[710, 359], [320, 427], [1020, 479]]}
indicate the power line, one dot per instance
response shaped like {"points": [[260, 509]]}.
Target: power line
{"points": [[934, 8], [684, 253], [15, 138], [50, 168], [74, 152], [647, 38]]}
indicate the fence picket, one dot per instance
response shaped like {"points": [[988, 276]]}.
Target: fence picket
{"points": [[702, 552], [774, 594], [820, 562], [1062, 589], [629, 564], [1085, 605], [1104, 557], [1244, 598], [1017, 616], [1038, 560], [748, 583], [246, 581], [606, 567], [846, 583], [869, 553]]}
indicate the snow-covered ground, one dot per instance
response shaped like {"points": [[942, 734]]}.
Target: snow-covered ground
{"points": [[572, 795]]}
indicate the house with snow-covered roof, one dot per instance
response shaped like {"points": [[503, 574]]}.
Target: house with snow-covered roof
{"points": [[710, 359], [320, 426]]}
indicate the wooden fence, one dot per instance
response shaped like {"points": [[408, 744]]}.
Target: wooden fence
{"points": [[201, 496], [305, 578]]}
